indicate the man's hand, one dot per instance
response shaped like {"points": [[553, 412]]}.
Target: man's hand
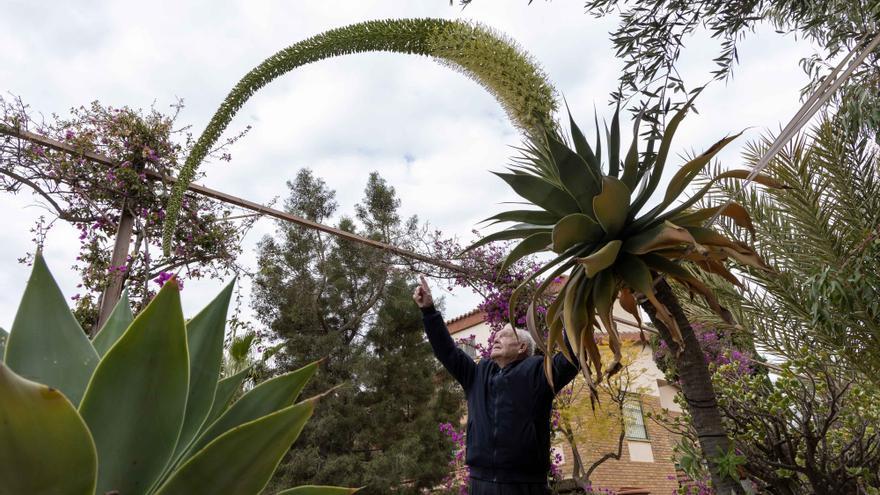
{"points": [[422, 294]]}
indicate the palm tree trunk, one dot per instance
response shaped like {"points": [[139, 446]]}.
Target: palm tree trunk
{"points": [[696, 386]]}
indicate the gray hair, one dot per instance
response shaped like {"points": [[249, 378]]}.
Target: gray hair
{"points": [[526, 338]]}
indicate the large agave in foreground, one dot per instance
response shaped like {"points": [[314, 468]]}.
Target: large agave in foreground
{"points": [[589, 214], [142, 408]]}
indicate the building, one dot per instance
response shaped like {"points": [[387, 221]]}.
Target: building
{"points": [[646, 460]]}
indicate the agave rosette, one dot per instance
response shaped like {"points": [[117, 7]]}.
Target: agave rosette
{"points": [[589, 215]]}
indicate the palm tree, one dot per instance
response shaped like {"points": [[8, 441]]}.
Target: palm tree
{"points": [[590, 215], [822, 235]]}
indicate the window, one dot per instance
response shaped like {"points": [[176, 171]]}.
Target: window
{"points": [[633, 419]]}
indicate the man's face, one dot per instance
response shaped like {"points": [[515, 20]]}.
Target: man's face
{"points": [[506, 346]]}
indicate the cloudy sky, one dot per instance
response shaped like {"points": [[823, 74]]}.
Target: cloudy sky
{"points": [[432, 133]]}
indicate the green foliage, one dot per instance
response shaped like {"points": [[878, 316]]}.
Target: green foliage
{"points": [[322, 296], [822, 235], [598, 235], [3, 336], [811, 430], [476, 51], [144, 422], [652, 35]]}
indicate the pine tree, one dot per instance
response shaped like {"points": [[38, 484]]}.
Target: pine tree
{"points": [[325, 297]]}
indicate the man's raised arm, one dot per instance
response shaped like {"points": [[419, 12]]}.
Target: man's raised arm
{"points": [[455, 360]]}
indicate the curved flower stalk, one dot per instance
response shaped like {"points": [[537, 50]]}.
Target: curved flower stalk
{"points": [[483, 55]]}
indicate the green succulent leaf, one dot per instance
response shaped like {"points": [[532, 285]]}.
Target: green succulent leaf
{"points": [[691, 169], [134, 405], [318, 490], [518, 231], [120, 318], [46, 343], [630, 175], [265, 398], [734, 211], [243, 459], [611, 206], [541, 192], [614, 144], [226, 389], [530, 245], [204, 334], [660, 237], [533, 217], [660, 161], [583, 147], [578, 178], [45, 447], [3, 337], [601, 259], [575, 229]]}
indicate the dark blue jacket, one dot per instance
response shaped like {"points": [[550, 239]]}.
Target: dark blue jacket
{"points": [[508, 427]]}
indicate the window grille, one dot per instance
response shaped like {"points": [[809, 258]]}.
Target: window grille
{"points": [[633, 419]]}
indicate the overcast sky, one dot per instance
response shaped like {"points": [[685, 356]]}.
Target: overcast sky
{"points": [[432, 133]]}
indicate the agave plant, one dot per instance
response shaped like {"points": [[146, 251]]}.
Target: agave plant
{"points": [[589, 216], [141, 409]]}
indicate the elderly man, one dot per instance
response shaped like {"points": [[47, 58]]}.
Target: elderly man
{"points": [[509, 401]]}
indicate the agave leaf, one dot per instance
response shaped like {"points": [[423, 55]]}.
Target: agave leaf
{"points": [[553, 337], [567, 261], [226, 388], [628, 303], [518, 231], [614, 144], [46, 343], [708, 237], [637, 276], [45, 447], [686, 278], [691, 169], [731, 174], [601, 259], [533, 217], [743, 258], [604, 292], [541, 192], [204, 334], [532, 326], [574, 311], [242, 459], [583, 147], [662, 236], [735, 211], [265, 398], [120, 318], [716, 267], [530, 245], [631, 162], [660, 160], [578, 178], [318, 490], [574, 229], [611, 206], [135, 403]]}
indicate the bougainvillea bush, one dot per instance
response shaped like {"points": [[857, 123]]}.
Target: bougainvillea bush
{"points": [[91, 196]]}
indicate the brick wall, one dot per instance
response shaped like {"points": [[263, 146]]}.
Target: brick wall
{"points": [[659, 476]]}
